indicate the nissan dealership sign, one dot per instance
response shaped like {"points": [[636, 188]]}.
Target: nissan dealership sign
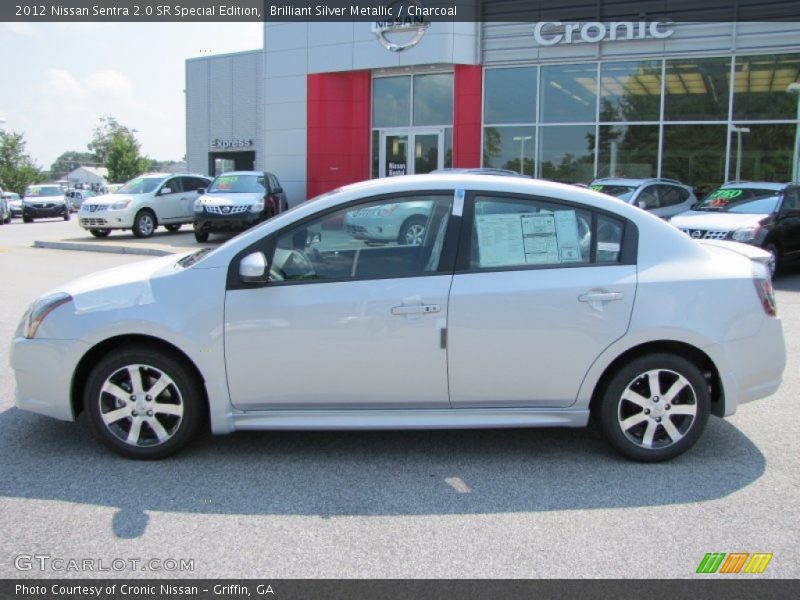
{"points": [[552, 33]]}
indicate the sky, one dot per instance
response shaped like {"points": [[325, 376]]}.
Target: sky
{"points": [[58, 79]]}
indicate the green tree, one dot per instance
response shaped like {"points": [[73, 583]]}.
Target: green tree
{"points": [[103, 134], [17, 170], [123, 160], [71, 160]]}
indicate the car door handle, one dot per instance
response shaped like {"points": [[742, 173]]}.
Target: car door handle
{"points": [[416, 309], [600, 296]]}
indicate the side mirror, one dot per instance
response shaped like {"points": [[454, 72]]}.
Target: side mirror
{"points": [[253, 268], [694, 206], [201, 191], [164, 191]]}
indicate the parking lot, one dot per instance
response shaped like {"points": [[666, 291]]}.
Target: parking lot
{"points": [[507, 503]]}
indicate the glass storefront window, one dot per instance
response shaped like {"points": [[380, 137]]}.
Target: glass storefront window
{"points": [[628, 151], [695, 154], [697, 89], [433, 99], [510, 95], [566, 153], [630, 91], [376, 153], [510, 148], [448, 147], [569, 93], [391, 101], [766, 153], [760, 84]]}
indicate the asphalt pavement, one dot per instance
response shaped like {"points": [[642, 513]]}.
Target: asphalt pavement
{"points": [[509, 503]]}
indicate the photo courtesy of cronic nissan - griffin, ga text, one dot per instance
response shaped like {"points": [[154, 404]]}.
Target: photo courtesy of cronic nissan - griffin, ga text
{"points": [[515, 303]]}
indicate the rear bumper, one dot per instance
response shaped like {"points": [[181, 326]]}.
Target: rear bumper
{"points": [[752, 367]]}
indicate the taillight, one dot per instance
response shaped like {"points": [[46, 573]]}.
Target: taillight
{"points": [[766, 295]]}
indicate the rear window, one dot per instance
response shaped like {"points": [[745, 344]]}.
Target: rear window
{"points": [[622, 192]]}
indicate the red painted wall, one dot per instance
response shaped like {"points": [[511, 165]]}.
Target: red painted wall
{"points": [[468, 83], [338, 133]]}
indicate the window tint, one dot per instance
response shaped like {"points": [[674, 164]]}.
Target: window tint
{"points": [[190, 184], [510, 232], [671, 195], [791, 200], [648, 198], [174, 185], [399, 237]]}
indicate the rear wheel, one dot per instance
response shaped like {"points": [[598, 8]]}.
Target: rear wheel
{"points": [[655, 407], [27, 219], [100, 233], [173, 228], [142, 403], [144, 224], [200, 235]]}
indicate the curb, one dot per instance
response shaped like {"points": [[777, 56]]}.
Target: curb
{"points": [[98, 248]]}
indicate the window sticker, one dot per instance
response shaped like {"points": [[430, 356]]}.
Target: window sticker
{"points": [[528, 238], [226, 183], [596, 188], [34, 190]]}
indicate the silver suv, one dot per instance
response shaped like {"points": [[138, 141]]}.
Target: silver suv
{"points": [[662, 197]]}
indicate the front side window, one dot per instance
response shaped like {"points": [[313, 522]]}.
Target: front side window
{"points": [[140, 185], [174, 186], [397, 237]]}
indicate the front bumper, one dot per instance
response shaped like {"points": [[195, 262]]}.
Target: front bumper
{"points": [[107, 219], [43, 212], [15, 211], [43, 370], [210, 222]]}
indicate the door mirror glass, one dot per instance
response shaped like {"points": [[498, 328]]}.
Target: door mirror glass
{"points": [[253, 268]]}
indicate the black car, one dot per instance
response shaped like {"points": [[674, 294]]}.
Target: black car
{"points": [[236, 201]]}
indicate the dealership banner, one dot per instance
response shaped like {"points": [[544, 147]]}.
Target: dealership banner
{"points": [[397, 589], [398, 13]]}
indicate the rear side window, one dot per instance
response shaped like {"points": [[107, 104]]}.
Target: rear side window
{"points": [[671, 195], [517, 232]]}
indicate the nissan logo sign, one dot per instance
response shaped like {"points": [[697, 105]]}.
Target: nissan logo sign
{"points": [[697, 234], [403, 31], [550, 33]]}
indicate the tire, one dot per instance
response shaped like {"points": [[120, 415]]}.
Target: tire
{"points": [[412, 233], [100, 233], [173, 228], [144, 224], [200, 235], [66, 216], [775, 262], [631, 410], [132, 425], [27, 219]]}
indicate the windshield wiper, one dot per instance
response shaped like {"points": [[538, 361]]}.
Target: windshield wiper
{"points": [[188, 261]]}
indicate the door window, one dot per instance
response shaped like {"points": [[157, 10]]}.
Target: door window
{"points": [[648, 198], [174, 185], [671, 195], [190, 184], [396, 237], [791, 199], [514, 232]]}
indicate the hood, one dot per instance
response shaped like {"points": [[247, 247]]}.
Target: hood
{"points": [[718, 221], [119, 287], [231, 199]]}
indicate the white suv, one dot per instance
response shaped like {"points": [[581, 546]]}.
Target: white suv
{"points": [[143, 204]]}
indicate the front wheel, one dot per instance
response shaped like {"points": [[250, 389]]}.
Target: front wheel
{"points": [[144, 224], [143, 403], [200, 235], [66, 216], [27, 219], [412, 233], [655, 407], [100, 233]]}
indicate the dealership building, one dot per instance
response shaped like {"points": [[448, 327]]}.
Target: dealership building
{"points": [[325, 104]]}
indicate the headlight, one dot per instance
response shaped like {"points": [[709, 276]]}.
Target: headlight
{"points": [[39, 310], [257, 207], [121, 205], [745, 234]]}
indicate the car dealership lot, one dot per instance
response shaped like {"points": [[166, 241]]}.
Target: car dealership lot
{"points": [[520, 503]]}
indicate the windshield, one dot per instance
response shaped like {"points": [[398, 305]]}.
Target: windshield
{"points": [[751, 201], [40, 190], [237, 184], [140, 185], [623, 192]]}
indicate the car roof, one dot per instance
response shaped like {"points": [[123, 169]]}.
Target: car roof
{"points": [[758, 185]]}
